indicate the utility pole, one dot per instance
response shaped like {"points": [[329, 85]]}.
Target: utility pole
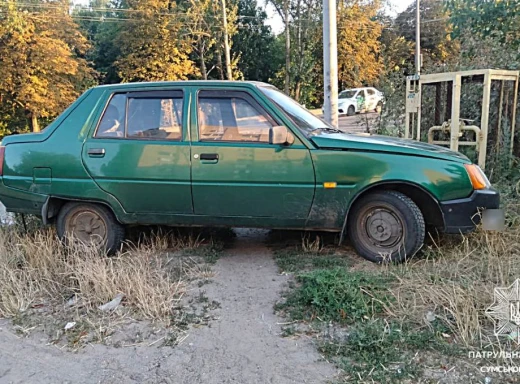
{"points": [[226, 42], [418, 37], [330, 62]]}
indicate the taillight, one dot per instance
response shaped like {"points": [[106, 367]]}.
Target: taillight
{"points": [[2, 153]]}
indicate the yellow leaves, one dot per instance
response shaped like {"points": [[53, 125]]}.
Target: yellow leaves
{"points": [[38, 66], [153, 47], [358, 43]]}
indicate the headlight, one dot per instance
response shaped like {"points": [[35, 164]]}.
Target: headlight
{"points": [[477, 176]]}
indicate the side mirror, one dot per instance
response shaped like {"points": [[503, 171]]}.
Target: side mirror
{"points": [[280, 135]]}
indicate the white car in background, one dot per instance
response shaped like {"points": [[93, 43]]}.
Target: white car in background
{"points": [[357, 100]]}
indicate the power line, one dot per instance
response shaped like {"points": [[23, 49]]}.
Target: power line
{"points": [[101, 19], [193, 19], [176, 13], [125, 10]]}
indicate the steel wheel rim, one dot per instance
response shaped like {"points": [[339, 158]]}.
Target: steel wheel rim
{"points": [[382, 228], [87, 227]]}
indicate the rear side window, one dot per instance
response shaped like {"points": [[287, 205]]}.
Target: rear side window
{"points": [[112, 123], [145, 115], [371, 92], [155, 118]]}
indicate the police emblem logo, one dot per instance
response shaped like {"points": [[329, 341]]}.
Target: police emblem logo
{"points": [[505, 311]]}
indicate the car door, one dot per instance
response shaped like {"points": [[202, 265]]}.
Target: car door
{"points": [[235, 169], [361, 99], [371, 99], [139, 152]]}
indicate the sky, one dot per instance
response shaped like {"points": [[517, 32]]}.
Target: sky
{"points": [[396, 6]]}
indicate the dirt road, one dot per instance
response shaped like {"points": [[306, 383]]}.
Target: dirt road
{"points": [[243, 345]]}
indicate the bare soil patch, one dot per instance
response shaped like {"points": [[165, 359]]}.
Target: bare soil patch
{"points": [[232, 336]]}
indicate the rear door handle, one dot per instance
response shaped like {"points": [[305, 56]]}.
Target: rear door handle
{"points": [[96, 152]]}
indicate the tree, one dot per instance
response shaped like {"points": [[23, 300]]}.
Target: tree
{"points": [[308, 48], [201, 14], [154, 45], [499, 20], [283, 7], [359, 60], [303, 47], [396, 52], [225, 35], [437, 46], [41, 59], [255, 44], [204, 24], [101, 23]]}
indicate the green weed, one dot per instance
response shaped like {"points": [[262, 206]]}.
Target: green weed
{"points": [[338, 295], [378, 351]]}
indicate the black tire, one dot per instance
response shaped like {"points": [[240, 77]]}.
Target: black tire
{"points": [[351, 111], [379, 107], [393, 236], [108, 234]]}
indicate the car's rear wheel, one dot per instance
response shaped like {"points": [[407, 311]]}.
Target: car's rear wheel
{"points": [[386, 226], [379, 107], [351, 111], [90, 224]]}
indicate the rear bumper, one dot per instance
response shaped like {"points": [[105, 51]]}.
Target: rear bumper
{"points": [[19, 201], [461, 215]]}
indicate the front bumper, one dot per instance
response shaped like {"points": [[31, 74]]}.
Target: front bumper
{"points": [[462, 215]]}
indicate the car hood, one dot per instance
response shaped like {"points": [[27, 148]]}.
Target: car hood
{"points": [[377, 143]]}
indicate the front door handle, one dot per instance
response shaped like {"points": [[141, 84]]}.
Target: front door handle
{"points": [[96, 152], [209, 156]]}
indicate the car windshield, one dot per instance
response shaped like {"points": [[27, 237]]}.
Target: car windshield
{"points": [[348, 94], [301, 117]]}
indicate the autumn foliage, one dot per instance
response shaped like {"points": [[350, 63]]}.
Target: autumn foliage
{"points": [[41, 63], [50, 52]]}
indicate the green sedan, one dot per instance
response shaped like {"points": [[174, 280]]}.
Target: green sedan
{"points": [[234, 154]]}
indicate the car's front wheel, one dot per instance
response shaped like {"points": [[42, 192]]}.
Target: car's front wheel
{"points": [[351, 111], [386, 226], [90, 224]]}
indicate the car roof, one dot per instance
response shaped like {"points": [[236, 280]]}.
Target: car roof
{"points": [[145, 84]]}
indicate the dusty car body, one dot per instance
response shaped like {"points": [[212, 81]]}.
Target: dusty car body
{"points": [[237, 154]]}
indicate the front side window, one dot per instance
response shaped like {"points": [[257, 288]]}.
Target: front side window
{"points": [[232, 119], [142, 117]]}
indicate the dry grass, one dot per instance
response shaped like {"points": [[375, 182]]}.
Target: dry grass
{"points": [[37, 270], [456, 280], [310, 245]]}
